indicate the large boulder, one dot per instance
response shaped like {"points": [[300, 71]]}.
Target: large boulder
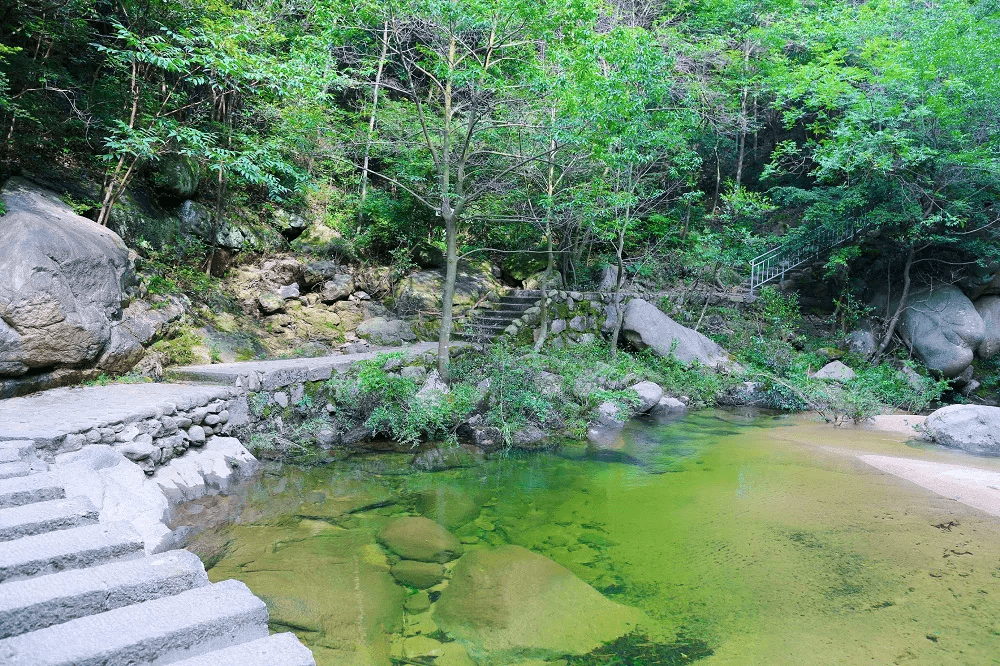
{"points": [[646, 327], [988, 308], [942, 327], [63, 279], [973, 428], [422, 290], [382, 331], [510, 604]]}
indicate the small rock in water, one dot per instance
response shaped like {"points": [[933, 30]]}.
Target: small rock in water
{"points": [[417, 603], [421, 539], [420, 575]]}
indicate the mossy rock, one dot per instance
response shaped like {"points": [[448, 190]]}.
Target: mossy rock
{"points": [[177, 176]]}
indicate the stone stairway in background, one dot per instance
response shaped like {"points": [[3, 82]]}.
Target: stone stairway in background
{"points": [[78, 592], [489, 324]]}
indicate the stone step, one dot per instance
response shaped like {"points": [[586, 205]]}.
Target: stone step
{"points": [[15, 450], [160, 631], [28, 489], [73, 548], [43, 601], [11, 470], [41, 517], [277, 650]]}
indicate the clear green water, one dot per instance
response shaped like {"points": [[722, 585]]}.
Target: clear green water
{"points": [[763, 537]]}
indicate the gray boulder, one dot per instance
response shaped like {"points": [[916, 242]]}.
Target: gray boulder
{"points": [[646, 327], [973, 428], [381, 331], [63, 279], [195, 220], [835, 371], [942, 327], [861, 341], [650, 394], [337, 288], [988, 308]]}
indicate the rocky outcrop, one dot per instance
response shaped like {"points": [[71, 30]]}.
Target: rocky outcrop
{"points": [[382, 331], [972, 428], [422, 290], [646, 327], [988, 308], [510, 604], [942, 327], [63, 281]]}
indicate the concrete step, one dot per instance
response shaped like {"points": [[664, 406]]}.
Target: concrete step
{"points": [[41, 517], [11, 470], [277, 650], [43, 601], [161, 631], [28, 489], [73, 548]]}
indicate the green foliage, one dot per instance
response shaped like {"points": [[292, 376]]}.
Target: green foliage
{"points": [[178, 347]]}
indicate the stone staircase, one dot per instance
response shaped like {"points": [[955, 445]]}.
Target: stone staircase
{"points": [[78, 592], [491, 323]]}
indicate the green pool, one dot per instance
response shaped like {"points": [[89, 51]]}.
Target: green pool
{"points": [[735, 539]]}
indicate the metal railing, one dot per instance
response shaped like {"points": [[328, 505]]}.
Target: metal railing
{"points": [[779, 260]]}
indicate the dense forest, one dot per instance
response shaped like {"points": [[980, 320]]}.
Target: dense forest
{"points": [[674, 141]]}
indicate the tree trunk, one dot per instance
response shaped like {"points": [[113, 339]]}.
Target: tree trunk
{"points": [[371, 123], [619, 282], [448, 297], [891, 326], [545, 289]]}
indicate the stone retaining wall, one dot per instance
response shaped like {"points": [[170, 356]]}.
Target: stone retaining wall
{"points": [[574, 318]]}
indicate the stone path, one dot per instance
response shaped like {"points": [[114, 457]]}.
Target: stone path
{"points": [[271, 375], [50, 415], [77, 592]]}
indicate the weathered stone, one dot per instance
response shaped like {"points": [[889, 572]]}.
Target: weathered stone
{"points": [[942, 327], [420, 575], [135, 451], [530, 437], [509, 604], [988, 308], [449, 507], [337, 288], [861, 341], [417, 603], [413, 372], [437, 459], [380, 331], [973, 428], [62, 282], [646, 327], [650, 394], [608, 415], [835, 371], [421, 539], [423, 290], [196, 435], [289, 291], [269, 303]]}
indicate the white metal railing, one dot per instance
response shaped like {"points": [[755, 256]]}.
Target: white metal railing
{"points": [[781, 259]]}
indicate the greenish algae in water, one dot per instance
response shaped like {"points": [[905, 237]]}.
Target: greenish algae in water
{"points": [[763, 539]]}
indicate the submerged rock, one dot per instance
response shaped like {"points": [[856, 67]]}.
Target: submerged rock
{"points": [[510, 604], [421, 539], [972, 428], [420, 575]]}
